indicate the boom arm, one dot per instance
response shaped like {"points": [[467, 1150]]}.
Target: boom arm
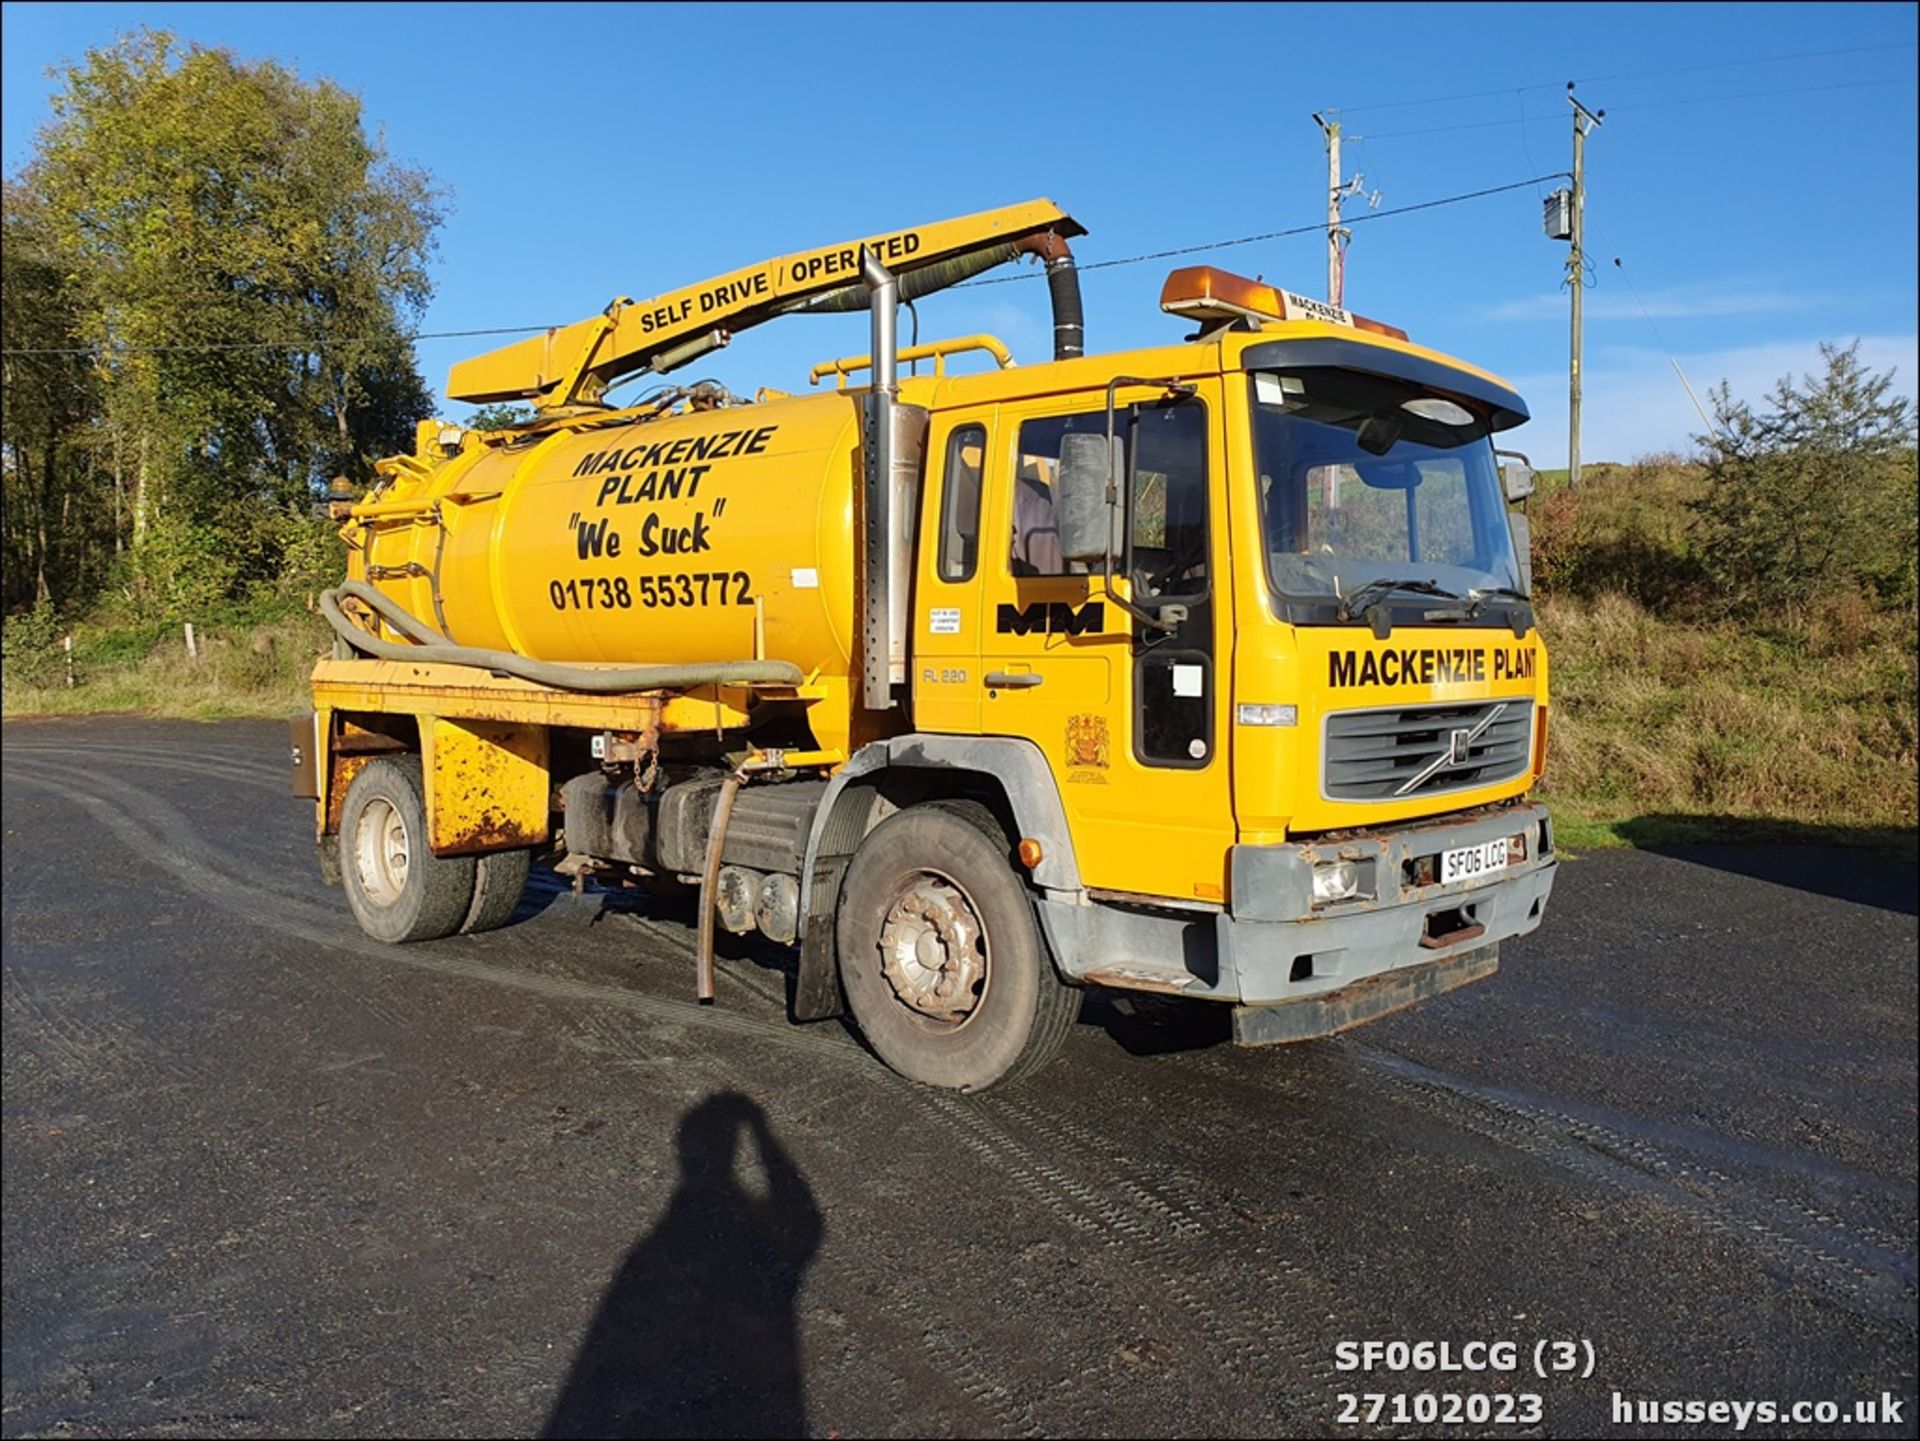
{"points": [[575, 363]]}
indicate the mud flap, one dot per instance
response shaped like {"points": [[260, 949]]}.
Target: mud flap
{"points": [[486, 785], [1364, 1001]]}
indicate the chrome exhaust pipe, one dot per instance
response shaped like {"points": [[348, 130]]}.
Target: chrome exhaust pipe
{"points": [[877, 620]]}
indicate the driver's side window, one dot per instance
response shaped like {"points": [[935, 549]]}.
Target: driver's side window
{"points": [[1167, 448], [1034, 548]]}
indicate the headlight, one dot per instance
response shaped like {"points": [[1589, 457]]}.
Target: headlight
{"points": [[1335, 881]]}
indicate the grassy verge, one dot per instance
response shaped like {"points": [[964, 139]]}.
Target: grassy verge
{"points": [[1667, 733], [253, 661], [1664, 733], [1576, 831]]}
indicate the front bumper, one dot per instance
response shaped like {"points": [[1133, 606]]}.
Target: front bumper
{"points": [[1274, 948]]}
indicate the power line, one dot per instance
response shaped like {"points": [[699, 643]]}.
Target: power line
{"points": [[1762, 94], [1627, 75], [995, 280], [1648, 105], [1317, 228], [285, 344]]}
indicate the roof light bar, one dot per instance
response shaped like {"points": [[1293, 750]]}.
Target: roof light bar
{"points": [[1205, 293]]}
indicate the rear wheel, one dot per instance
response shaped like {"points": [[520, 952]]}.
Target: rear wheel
{"points": [[944, 966], [499, 880], [399, 890]]}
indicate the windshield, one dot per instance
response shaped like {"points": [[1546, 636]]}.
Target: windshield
{"points": [[1364, 478]]}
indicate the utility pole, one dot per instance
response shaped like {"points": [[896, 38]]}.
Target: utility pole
{"points": [[1583, 121], [1336, 233], [1339, 191]]}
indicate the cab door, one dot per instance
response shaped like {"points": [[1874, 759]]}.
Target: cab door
{"points": [[1132, 716], [945, 648]]}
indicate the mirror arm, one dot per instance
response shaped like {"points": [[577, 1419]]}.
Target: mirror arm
{"points": [[1145, 617]]}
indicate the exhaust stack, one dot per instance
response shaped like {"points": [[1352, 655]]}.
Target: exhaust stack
{"points": [[882, 633]]}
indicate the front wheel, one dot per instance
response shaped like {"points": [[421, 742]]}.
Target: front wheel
{"points": [[944, 966]]}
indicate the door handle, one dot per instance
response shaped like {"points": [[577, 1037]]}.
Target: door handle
{"points": [[1013, 680]]}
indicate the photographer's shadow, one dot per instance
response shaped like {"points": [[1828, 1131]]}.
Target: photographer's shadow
{"points": [[696, 1335]]}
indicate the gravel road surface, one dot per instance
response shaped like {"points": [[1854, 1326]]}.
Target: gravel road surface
{"points": [[263, 1175]]}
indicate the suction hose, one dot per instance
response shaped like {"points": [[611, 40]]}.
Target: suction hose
{"points": [[1063, 291], [430, 645]]}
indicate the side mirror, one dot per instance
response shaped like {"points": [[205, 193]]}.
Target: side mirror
{"points": [[1086, 521], [1522, 547], [1518, 477]]}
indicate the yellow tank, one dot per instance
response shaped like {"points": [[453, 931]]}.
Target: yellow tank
{"points": [[642, 543]]}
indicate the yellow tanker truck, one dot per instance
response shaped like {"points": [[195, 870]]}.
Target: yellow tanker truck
{"points": [[1206, 670]]}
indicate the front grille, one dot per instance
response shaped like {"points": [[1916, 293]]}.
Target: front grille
{"points": [[1372, 755]]}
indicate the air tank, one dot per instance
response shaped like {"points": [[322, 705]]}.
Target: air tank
{"points": [[638, 543]]}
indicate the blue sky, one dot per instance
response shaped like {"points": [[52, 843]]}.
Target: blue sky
{"points": [[1758, 208]]}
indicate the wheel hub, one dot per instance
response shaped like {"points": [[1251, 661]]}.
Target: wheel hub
{"points": [[932, 949], [381, 852]]}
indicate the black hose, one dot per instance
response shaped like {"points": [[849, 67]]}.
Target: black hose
{"points": [[430, 646], [1069, 323]]}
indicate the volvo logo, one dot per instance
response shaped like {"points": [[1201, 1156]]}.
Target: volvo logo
{"points": [[1459, 751]]}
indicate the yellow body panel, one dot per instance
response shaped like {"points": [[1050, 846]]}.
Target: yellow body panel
{"points": [[1277, 769], [1137, 827], [486, 785]]}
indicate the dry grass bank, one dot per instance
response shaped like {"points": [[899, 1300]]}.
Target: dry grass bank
{"points": [[1696, 730], [253, 661]]}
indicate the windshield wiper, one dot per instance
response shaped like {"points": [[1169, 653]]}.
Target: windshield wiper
{"points": [[1361, 600], [1522, 613]]}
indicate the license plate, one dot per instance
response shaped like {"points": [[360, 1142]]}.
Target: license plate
{"points": [[1471, 861]]}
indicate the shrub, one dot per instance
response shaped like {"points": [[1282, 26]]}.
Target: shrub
{"points": [[1813, 498], [30, 651]]}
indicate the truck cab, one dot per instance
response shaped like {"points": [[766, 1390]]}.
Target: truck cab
{"points": [[1293, 721]]}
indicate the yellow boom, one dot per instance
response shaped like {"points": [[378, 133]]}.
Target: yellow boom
{"points": [[574, 364]]}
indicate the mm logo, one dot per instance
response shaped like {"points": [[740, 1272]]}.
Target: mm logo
{"points": [[1057, 618]]}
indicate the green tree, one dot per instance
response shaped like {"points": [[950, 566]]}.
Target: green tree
{"points": [[47, 394], [499, 416], [1812, 497], [245, 264]]}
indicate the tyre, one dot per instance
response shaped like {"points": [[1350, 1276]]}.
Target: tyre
{"points": [[399, 890], [328, 850], [944, 966], [499, 879]]}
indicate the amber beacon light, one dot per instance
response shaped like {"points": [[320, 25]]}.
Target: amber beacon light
{"points": [[1205, 293]]}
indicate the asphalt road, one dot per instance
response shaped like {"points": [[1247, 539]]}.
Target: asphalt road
{"points": [[264, 1175]]}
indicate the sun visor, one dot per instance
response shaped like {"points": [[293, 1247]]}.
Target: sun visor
{"points": [[1502, 406]]}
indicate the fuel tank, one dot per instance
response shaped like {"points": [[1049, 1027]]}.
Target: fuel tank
{"points": [[654, 541]]}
